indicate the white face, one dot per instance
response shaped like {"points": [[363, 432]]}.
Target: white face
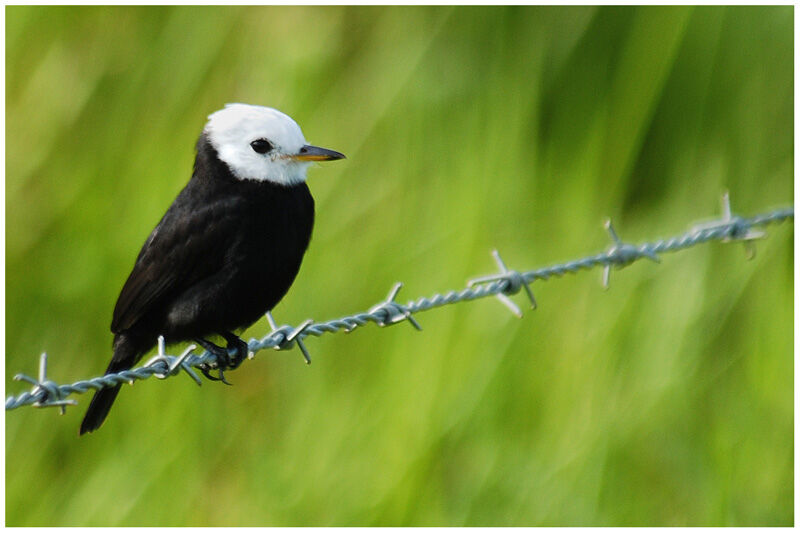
{"points": [[241, 132]]}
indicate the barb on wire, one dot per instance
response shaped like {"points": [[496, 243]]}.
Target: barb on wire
{"points": [[49, 393], [622, 254], [172, 365], [728, 228], [394, 311], [736, 228], [290, 336], [514, 282]]}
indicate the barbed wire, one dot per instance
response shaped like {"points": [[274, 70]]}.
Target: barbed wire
{"points": [[507, 282]]}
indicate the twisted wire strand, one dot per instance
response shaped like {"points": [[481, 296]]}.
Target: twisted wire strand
{"points": [[46, 393]]}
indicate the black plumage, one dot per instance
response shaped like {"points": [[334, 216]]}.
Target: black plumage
{"points": [[225, 253]]}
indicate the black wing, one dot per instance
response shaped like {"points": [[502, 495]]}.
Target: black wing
{"points": [[187, 246]]}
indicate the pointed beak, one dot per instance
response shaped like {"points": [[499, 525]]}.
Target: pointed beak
{"points": [[315, 153]]}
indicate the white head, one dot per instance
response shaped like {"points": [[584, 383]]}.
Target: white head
{"points": [[262, 144]]}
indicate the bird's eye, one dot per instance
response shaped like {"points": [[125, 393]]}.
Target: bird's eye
{"points": [[261, 146]]}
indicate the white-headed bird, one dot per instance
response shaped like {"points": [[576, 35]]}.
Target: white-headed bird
{"points": [[227, 249]]}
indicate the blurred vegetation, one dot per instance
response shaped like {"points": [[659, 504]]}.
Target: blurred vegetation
{"points": [[667, 400]]}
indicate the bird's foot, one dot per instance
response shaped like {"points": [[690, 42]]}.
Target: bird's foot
{"points": [[241, 350], [225, 360], [206, 370]]}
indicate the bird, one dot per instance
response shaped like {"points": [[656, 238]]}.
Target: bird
{"points": [[226, 251]]}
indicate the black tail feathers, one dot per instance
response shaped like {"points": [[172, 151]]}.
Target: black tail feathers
{"points": [[125, 356], [99, 408]]}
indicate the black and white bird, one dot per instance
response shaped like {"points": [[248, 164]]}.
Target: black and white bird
{"points": [[227, 249]]}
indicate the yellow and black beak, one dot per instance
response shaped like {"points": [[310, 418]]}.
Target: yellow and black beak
{"points": [[315, 153]]}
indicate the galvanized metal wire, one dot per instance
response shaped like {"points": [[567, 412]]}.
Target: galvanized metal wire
{"points": [[728, 228]]}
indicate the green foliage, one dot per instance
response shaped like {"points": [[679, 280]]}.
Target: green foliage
{"points": [[667, 400]]}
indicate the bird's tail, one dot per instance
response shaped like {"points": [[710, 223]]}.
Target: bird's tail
{"points": [[125, 356]]}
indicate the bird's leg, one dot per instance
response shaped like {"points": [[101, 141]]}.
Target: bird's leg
{"points": [[223, 359], [237, 344]]}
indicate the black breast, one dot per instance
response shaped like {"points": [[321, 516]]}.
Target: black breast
{"points": [[226, 251], [268, 228]]}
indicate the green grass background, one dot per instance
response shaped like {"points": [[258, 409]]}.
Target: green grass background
{"points": [[667, 400]]}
